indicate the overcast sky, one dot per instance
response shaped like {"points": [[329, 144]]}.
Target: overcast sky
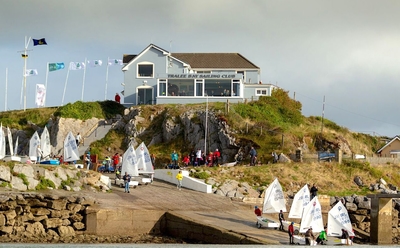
{"points": [[345, 51]]}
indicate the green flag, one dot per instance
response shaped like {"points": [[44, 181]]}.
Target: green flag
{"points": [[56, 66]]}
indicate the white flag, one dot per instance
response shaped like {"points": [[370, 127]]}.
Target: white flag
{"points": [[115, 62], [95, 63], [31, 72], [40, 95], [76, 65]]}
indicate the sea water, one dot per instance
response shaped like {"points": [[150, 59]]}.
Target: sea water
{"points": [[13, 245]]}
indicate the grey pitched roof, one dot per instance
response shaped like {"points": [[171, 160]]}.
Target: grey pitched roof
{"points": [[215, 60]]}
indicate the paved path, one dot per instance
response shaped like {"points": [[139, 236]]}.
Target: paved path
{"points": [[209, 209], [99, 133]]}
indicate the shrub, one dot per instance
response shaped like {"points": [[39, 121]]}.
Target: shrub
{"points": [[45, 184]]}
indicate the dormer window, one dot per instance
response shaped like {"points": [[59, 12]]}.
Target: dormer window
{"points": [[145, 70]]}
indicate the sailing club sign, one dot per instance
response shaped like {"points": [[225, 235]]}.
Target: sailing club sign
{"points": [[205, 75]]}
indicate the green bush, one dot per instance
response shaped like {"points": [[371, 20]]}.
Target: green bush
{"points": [[201, 175], [45, 184]]}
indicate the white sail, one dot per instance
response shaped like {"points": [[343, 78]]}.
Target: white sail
{"points": [[16, 147], [71, 152], [274, 200], [300, 201], [338, 219], [312, 217], [144, 163], [129, 162], [45, 143], [33, 144], [10, 141], [2, 143]]}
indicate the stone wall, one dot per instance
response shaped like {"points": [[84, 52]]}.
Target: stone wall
{"points": [[41, 217]]}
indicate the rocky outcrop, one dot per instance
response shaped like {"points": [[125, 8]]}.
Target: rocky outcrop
{"points": [[58, 129], [189, 126], [30, 177]]}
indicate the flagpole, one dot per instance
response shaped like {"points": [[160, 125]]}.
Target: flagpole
{"points": [[5, 98], [83, 82], [45, 87], [65, 87], [105, 93], [22, 89], [25, 61]]}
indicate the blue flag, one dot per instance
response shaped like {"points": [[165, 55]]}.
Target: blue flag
{"points": [[56, 66], [39, 42]]}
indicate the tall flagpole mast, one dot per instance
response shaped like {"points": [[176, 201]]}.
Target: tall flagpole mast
{"points": [[47, 76], [205, 132], [83, 82], [22, 89], [5, 101], [105, 93], [65, 87], [25, 61]]}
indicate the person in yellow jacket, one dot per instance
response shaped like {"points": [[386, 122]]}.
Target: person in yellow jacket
{"points": [[179, 176]]}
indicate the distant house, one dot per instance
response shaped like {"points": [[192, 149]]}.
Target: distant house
{"points": [[391, 149], [156, 76]]}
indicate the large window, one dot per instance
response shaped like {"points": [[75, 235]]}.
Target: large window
{"points": [[218, 87], [145, 70], [180, 87]]}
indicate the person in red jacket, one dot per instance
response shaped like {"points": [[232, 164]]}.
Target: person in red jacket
{"points": [[291, 233], [117, 98], [216, 156], [115, 159], [257, 211], [186, 160], [210, 159]]}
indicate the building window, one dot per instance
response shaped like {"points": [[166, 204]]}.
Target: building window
{"points": [[162, 87], [203, 72], [261, 92], [145, 70]]}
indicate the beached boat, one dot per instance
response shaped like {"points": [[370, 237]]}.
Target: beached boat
{"points": [[33, 144], [129, 165], [274, 202], [2, 143], [144, 164], [71, 152], [312, 217], [12, 156], [300, 201]]}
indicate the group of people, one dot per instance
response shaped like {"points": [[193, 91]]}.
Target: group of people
{"points": [[197, 158], [309, 235]]}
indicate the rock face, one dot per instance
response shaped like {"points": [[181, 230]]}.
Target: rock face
{"points": [[189, 126], [58, 129], [39, 217]]}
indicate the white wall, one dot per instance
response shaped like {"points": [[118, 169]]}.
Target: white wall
{"points": [[187, 182]]}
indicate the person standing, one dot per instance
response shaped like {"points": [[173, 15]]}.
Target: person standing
{"points": [[314, 191], [281, 218], [216, 156], [257, 211], [174, 159], [253, 156], [127, 179], [198, 157], [291, 233], [179, 177], [39, 154], [115, 159], [117, 98], [78, 139]]}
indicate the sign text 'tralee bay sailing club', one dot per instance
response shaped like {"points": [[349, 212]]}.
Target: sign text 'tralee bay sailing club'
{"points": [[205, 75]]}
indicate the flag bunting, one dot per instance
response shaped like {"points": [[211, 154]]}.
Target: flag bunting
{"points": [[95, 63]]}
